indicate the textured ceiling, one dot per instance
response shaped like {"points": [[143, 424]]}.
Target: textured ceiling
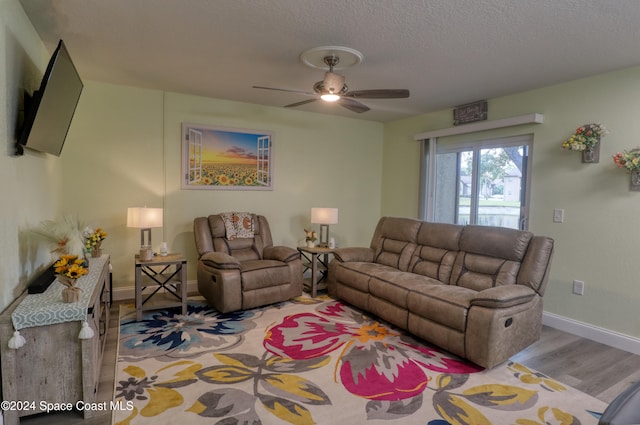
{"points": [[446, 52]]}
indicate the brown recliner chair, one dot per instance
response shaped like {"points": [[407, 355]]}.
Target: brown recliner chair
{"points": [[238, 272]]}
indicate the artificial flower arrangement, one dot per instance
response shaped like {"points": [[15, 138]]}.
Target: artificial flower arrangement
{"points": [[64, 233], [312, 236], [585, 137], [94, 238], [70, 268], [629, 160]]}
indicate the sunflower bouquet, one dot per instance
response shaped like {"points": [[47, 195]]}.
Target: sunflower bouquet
{"points": [[69, 268]]}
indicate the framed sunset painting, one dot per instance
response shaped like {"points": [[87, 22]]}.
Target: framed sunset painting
{"points": [[226, 159]]}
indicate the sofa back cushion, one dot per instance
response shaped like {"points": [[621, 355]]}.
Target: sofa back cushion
{"points": [[394, 241], [437, 247], [534, 271], [489, 256]]}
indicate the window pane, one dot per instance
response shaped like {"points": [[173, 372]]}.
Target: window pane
{"points": [[500, 184]]}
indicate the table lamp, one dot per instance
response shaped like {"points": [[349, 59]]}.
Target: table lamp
{"points": [[324, 217], [145, 219]]}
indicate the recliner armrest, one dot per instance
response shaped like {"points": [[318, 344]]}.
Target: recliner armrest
{"points": [[220, 260], [504, 296], [354, 254], [281, 253]]}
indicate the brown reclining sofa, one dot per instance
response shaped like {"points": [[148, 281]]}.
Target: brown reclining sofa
{"points": [[475, 291]]}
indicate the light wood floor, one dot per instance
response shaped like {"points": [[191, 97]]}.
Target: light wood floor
{"points": [[591, 367]]}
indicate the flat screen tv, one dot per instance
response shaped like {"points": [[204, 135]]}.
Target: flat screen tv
{"points": [[49, 111]]}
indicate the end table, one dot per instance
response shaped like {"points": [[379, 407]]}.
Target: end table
{"points": [[167, 272], [317, 264]]}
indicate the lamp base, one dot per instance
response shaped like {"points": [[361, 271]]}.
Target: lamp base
{"points": [[324, 236], [146, 253]]}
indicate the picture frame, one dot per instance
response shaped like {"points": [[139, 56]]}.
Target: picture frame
{"points": [[222, 158]]}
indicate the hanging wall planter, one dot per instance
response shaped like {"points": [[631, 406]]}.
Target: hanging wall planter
{"points": [[591, 155], [630, 161], [634, 182], [586, 140]]}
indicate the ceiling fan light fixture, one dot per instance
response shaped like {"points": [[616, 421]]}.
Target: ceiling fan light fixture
{"points": [[333, 83], [330, 97], [333, 88]]}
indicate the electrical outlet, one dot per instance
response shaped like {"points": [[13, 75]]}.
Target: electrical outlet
{"points": [[578, 287], [558, 215]]}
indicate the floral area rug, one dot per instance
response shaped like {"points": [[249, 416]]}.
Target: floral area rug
{"points": [[317, 361]]}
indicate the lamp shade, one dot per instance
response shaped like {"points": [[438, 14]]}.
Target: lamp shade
{"points": [[144, 218], [324, 215]]}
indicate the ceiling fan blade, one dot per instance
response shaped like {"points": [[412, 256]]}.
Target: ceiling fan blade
{"points": [[378, 94], [304, 102], [353, 105], [287, 90]]}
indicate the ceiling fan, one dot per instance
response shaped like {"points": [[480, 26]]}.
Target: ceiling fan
{"points": [[333, 89]]}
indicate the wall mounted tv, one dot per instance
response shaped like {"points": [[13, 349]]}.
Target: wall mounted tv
{"points": [[49, 111]]}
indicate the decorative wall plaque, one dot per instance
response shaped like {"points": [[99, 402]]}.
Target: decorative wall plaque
{"points": [[471, 112]]}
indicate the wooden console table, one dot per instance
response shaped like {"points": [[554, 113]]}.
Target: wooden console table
{"points": [[55, 365]]}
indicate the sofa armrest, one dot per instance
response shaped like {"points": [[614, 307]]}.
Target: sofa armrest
{"points": [[504, 296], [220, 260], [281, 253], [354, 254]]}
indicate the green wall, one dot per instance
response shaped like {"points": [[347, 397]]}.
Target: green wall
{"points": [[125, 150], [30, 184], [600, 238]]}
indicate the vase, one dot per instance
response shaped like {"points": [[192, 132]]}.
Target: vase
{"points": [[71, 294], [591, 155], [311, 244], [634, 181], [96, 252]]}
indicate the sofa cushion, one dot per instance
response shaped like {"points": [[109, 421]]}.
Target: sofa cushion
{"points": [[479, 272], [499, 242], [436, 263], [257, 274], [444, 304], [394, 253], [489, 257], [440, 235], [535, 266], [395, 241], [401, 229], [358, 274], [436, 251], [394, 286]]}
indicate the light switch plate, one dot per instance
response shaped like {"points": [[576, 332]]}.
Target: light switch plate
{"points": [[558, 215]]}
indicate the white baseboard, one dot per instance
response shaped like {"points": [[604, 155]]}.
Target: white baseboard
{"points": [[595, 333]]}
